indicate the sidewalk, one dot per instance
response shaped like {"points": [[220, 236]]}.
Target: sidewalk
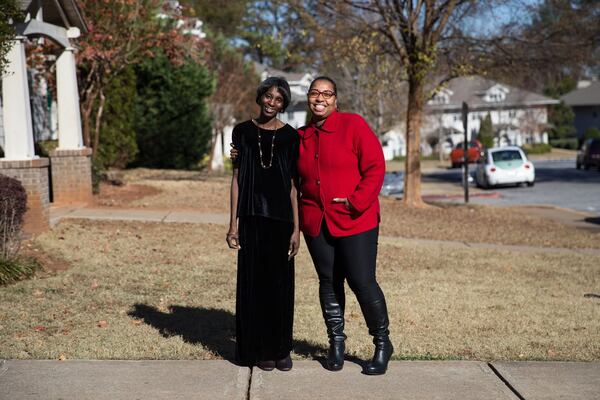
{"points": [[171, 216], [214, 380]]}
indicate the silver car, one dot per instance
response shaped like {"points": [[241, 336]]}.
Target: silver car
{"points": [[393, 183]]}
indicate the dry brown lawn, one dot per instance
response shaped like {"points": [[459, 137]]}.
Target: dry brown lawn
{"points": [[481, 224], [168, 189], [158, 189], [167, 291]]}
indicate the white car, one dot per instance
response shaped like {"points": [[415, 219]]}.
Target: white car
{"points": [[503, 166]]}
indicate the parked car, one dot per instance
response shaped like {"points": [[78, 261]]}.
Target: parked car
{"points": [[503, 166], [589, 154], [393, 183], [474, 153]]}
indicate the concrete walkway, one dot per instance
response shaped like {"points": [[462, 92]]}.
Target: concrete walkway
{"points": [[214, 380], [171, 216]]}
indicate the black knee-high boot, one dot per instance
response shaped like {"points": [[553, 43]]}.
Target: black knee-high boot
{"points": [[333, 313], [376, 317]]}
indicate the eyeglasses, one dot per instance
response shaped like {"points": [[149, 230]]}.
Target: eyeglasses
{"points": [[327, 94]]}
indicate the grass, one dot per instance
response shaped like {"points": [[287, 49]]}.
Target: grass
{"points": [[167, 291], [154, 189], [15, 269]]}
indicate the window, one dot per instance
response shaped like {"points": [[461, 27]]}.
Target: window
{"points": [[506, 155], [512, 114]]}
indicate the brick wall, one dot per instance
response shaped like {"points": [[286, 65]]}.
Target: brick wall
{"points": [[33, 175], [71, 172]]}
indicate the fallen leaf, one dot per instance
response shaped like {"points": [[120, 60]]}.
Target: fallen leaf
{"points": [[137, 321], [94, 284], [62, 357], [102, 324], [39, 328]]}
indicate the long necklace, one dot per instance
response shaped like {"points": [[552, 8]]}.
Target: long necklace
{"points": [[260, 153]]}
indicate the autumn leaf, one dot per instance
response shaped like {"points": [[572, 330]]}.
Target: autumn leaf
{"points": [[39, 328], [62, 357], [102, 324]]}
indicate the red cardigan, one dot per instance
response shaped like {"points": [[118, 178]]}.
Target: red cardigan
{"points": [[343, 158]]}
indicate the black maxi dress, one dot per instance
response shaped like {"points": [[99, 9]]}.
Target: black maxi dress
{"points": [[265, 276]]}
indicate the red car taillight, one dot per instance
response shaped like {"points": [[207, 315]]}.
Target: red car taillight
{"points": [[527, 166], [493, 169]]}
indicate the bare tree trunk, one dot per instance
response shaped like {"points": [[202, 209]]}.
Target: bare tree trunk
{"points": [[98, 123], [412, 170], [87, 107]]}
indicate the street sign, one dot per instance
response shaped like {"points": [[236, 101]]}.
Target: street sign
{"points": [[465, 121]]}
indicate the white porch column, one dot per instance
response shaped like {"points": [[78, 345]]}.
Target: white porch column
{"points": [[18, 132], [69, 118]]}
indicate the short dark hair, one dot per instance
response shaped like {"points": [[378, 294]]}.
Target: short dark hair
{"points": [[324, 78], [282, 87]]}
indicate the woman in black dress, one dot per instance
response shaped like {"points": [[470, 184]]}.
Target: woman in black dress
{"points": [[264, 228]]}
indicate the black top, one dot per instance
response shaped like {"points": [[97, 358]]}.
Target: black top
{"points": [[265, 192]]}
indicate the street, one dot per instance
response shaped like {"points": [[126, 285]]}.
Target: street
{"points": [[557, 183]]}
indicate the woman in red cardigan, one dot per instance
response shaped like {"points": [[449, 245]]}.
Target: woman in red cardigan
{"points": [[341, 169]]}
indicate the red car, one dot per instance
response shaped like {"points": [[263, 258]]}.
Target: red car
{"points": [[475, 151]]}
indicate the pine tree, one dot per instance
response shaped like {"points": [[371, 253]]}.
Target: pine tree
{"points": [[486, 132]]}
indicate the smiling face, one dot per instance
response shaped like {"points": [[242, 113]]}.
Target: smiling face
{"points": [[320, 106], [271, 103]]}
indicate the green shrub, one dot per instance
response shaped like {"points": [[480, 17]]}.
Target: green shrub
{"points": [[172, 122], [569, 143], [537, 148], [433, 157], [44, 147], [591, 132], [118, 146]]}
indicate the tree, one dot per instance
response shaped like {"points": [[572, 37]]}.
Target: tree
{"points": [[561, 117], [413, 32], [278, 34], [117, 146], [123, 33], [172, 120], [221, 17], [434, 41], [486, 132], [9, 13], [560, 41], [366, 76], [234, 96]]}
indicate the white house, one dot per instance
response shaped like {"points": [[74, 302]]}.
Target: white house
{"points": [[518, 116], [393, 142]]}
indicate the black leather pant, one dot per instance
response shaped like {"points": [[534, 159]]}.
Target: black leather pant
{"points": [[351, 258]]}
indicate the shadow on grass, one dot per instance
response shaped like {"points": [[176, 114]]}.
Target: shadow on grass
{"points": [[212, 328], [592, 220]]}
